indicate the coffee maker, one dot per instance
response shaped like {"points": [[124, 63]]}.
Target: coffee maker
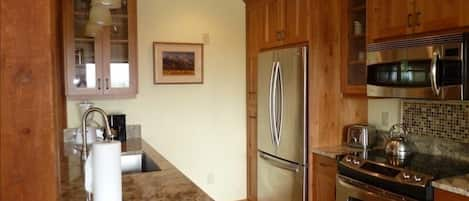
{"points": [[117, 124]]}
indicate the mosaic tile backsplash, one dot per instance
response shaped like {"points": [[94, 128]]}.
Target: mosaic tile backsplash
{"points": [[444, 120]]}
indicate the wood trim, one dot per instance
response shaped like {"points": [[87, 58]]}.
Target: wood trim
{"points": [[30, 100]]}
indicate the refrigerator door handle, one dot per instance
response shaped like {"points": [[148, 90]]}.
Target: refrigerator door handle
{"points": [[271, 103], [281, 94], [274, 104], [279, 163]]}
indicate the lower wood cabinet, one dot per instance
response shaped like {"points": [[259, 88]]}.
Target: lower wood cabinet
{"points": [[441, 195], [324, 176]]}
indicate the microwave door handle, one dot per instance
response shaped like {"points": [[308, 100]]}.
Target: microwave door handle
{"points": [[271, 103], [274, 104], [433, 74]]}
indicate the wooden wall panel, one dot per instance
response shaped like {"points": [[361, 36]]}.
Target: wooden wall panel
{"points": [[329, 110], [31, 101]]}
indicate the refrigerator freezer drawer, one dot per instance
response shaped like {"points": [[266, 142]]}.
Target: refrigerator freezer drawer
{"points": [[279, 180]]}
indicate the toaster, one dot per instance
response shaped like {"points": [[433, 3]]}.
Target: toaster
{"points": [[361, 136]]}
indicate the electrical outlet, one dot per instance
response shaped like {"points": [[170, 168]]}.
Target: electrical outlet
{"points": [[385, 119], [210, 178], [206, 38]]}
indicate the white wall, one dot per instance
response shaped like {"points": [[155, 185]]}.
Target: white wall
{"points": [[201, 129], [383, 113]]}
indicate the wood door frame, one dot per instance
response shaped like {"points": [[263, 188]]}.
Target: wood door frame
{"points": [[32, 101]]}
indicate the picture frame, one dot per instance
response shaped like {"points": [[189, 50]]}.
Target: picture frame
{"points": [[178, 63]]}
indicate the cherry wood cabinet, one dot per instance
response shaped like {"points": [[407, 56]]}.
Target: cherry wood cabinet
{"points": [[353, 41], [274, 23], [387, 19], [441, 195], [439, 15], [324, 178], [400, 18], [104, 66], [297, 20], [285, 22]]}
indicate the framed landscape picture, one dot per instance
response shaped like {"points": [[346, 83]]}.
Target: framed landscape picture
{"points": [[178, 63]]}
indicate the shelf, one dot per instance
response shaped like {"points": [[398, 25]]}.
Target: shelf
{"points": [[84, 39], [358, 8], [120, 15], [357, 62], [119, 41], [358, 36], [80, 13], [85, 14], [119, 61]]}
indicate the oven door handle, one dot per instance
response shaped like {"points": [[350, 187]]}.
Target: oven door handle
{"points": [[433, 74], [364, 192]]}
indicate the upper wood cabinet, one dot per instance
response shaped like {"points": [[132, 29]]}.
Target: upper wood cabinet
{"points": [[439, 15], [397, 18], [285, 22], [353, 42], [297, 24], [274, 23], [387, 18], [104, 66]]}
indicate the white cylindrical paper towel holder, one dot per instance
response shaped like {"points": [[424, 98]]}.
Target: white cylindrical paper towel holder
{"points": [[107, 174]]}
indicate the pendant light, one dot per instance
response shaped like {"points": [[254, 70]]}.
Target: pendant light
{"points": [[92, 29], [110, 4], [100, 15]]}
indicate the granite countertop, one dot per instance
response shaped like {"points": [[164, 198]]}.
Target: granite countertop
{"points": [[458, 184], [334, 151], [169, 184]]}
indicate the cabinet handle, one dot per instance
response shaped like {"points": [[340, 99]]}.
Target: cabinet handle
{"points": [[417, 18], [325, 165], [280, 35], [107, 83], [99, 83], [409, 20]]}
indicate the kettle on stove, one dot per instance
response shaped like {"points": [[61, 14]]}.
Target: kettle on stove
{"points": [[397, 144]]}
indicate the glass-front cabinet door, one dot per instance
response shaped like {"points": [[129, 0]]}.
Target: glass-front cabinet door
{"points": [[119, 65], [354, 47], [82, 53], [103, 66]]}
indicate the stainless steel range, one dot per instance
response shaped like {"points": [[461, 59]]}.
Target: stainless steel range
{"points": [[374, 176]]}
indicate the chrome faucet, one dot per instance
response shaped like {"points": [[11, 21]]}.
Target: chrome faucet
{"points": [[108, 135]]}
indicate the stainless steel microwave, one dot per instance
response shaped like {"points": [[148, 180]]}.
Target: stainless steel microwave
{"points": [[433, 67]]}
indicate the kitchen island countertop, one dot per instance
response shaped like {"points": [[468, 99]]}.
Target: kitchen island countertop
{"points": [[169, 184]]}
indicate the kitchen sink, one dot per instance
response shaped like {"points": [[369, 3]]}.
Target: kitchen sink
{"points": [[137, 163]]}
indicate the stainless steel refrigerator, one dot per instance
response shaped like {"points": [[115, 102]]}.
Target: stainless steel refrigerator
{"points": [[281, 125]]}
